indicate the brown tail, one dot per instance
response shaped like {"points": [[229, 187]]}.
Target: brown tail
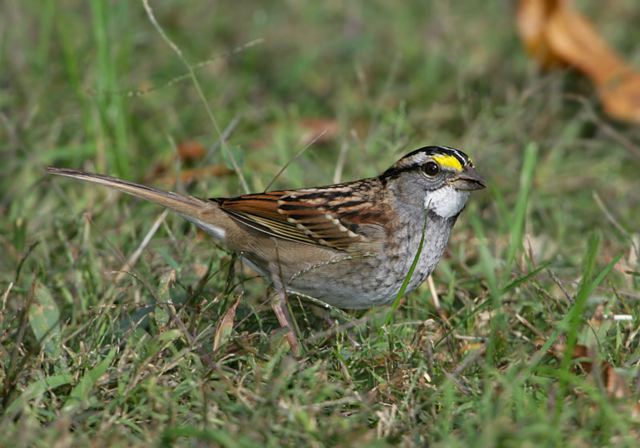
{"points": [[185, 205]]}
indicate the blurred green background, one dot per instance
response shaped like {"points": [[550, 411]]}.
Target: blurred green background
{"points": [[88, 359]]}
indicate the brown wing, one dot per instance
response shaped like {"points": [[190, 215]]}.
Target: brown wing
{"points": [[332, 216]]}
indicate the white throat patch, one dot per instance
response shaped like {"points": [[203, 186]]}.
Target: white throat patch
{"points": [[446, 201]]}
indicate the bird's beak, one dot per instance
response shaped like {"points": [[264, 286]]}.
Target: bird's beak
{"points": [[468, 180]]}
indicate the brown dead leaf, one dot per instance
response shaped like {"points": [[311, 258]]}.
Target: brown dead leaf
{"points": [[225, 326], [621, 96], [581, 352], [191, 151], [188, 152], [574, 40], [635, 413], [614, 384], [532, 17], [191, 175], [320, 130], [555, 33]]}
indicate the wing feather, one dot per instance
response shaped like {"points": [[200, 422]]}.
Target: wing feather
{"points": [[329, 216]]}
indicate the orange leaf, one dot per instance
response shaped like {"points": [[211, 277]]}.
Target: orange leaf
{"points": [[621, 96], [532, 17], [554, 32], [572, 38]]}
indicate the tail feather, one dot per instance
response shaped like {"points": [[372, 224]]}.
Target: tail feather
{"points": [[185, 205]]}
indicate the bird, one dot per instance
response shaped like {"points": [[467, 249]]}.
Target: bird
{"points": [[350, 244]]}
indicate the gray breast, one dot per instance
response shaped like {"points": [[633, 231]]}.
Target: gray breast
{"points": [[364, 282]]}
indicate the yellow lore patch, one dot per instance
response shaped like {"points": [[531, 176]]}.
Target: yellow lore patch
{"points": [[448, 162]]}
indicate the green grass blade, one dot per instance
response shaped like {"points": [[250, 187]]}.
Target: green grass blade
{"points": [[111, 129], [575, 316], [35, 390], [218, 437], [516, 230], [44, 318], [81, 392], [407, 278]]}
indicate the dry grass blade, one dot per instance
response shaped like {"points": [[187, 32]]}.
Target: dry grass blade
{"points": [[225, 326], [201, 94], [133, 258]]}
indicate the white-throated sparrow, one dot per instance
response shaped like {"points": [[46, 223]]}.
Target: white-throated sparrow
{"points": [[350, 244]]}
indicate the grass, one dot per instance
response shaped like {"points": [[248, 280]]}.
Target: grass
{"points": [[542, 259]]}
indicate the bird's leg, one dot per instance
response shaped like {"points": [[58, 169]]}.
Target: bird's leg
{"points": [[279, 306]]}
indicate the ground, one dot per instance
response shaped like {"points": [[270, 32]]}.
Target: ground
{"points": [[97, 351]]}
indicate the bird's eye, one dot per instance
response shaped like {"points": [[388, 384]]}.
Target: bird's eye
{"points": [[431, 168]]}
